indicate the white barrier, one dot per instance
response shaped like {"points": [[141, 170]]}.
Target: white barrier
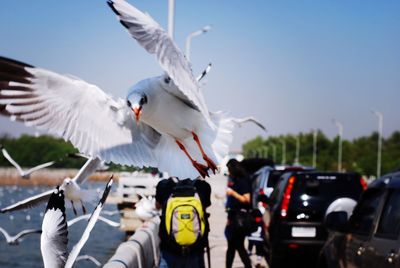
{"points": [[141, 250]]}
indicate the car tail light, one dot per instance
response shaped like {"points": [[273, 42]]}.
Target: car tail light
{"points": [[293, 246], [261, 191], [363, 183], [286, 197]]}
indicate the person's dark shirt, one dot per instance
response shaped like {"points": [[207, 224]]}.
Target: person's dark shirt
{"points": [[241, 186]]}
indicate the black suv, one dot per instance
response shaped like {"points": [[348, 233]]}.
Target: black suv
{"points": [[371, 237], [298, 207]]}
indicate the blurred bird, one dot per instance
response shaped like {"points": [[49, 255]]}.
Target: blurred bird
{"points": [[88, 258], [87, 216], [14, 240], [240, 121], [111, 212], [71, 187], [23, 173], [204, 73], [146, 208], [54, 238]]}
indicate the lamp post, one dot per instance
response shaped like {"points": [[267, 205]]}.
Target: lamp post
{"points": [[314, 159], [265, 154], [273, 152], [283, 151], [171, 14], [380, 128], [193, 34], [297, 159], [340, 132]]}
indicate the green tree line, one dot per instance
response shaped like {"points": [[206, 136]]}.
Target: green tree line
{"points": [[358, 155], [29, 151]]}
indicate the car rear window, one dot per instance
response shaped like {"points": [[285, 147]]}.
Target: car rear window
{"points": [[315, 192], [328, 186], [273, 178]]}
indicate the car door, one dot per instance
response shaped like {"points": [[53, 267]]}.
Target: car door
{"points": [[361, 227], [383, 249]]}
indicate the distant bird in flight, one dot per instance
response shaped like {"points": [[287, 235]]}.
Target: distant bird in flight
{"points": [[87, 216], [88, 258], [54, 238], [24, 173], [71, 187], [163, 122], [14, 240], [240, 121]]}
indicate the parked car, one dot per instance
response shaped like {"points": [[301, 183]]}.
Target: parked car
{"points": [[298, 206], [371, 236], [265, 179]]}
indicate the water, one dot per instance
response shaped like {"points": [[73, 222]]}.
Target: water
{"points": [[101, 244]]}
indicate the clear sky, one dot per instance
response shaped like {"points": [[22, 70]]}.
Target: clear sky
{"points": [[294, 65]]}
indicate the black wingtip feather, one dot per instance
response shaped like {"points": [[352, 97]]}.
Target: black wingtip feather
{"points": [[14, 62], [107, 190], [56, 200], [111, 5]]}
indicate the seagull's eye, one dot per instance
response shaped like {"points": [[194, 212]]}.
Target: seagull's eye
{"points": [[143, 100], [128, 103], [167, 80]]}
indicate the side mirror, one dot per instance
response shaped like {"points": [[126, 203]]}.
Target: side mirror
{"points": [[336, 221]]}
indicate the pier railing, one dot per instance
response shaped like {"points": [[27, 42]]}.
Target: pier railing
{"points": [[141, 250]]}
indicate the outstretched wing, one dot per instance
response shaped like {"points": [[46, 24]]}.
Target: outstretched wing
{"points": [[240, 121], [28, 202], [89, 258], [6, 235], [87, 169], [85, 236], [54, 238], [11, 160], [26, 232], [156, 41], [77, 111], [87, 216], [44, 165]]}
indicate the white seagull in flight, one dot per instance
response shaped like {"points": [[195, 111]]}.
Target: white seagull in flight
{"points": [[162, 120], [24, 173], [71, 187], [54, 238], [14, 240]]}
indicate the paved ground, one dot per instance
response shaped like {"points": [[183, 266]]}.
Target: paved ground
{"points": [[217, 223]]}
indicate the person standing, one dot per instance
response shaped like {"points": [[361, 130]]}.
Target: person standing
{"points": [[238, 198], [174, 255]]}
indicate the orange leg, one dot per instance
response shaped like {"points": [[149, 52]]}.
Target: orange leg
{"points": [[209, 162], [202, 169]]}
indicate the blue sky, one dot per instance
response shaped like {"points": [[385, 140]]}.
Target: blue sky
{"points": [[295, 65]]}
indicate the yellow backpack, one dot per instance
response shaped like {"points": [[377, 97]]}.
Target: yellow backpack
{"points": [[184, 218]]}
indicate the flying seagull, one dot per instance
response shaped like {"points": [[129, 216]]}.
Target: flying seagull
{"points": [[14, 240], [88, 258], [87, 216], [54, 238], [23, 173], [71, 187], [204, 73], [163, 122], [240, 121]]}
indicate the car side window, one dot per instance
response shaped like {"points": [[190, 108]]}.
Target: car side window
{"points": [[389, 224], [276, 193], [361, 222]]}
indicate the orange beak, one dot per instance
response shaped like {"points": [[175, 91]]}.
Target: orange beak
{"points": [[137, 112]]}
